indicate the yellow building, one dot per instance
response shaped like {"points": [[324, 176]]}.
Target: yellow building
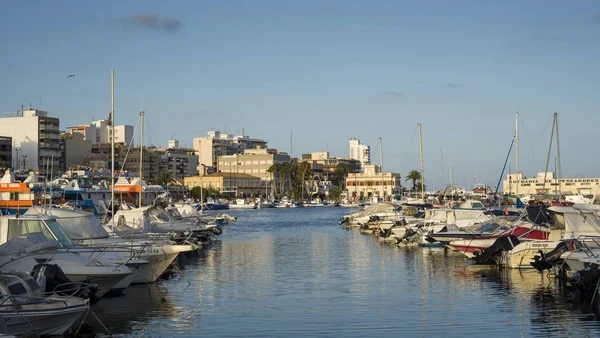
{"points": [[520, 185], [372, 182], [229, 184]]}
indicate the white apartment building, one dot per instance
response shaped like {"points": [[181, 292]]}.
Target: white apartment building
{"points": [[221, 144], [360, 152], [35, 137], [520, 185], [99, 132]]}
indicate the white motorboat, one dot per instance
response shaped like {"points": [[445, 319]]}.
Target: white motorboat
{"points": [[25, 310], [85, 230], [27, 241], [242, 203]]}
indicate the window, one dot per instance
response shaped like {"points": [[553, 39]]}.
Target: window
{"points": [[19, 227]]}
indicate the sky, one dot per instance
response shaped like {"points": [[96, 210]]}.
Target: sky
{"points": [[324, 71]]}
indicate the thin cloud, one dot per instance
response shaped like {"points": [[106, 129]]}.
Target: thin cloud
{"points": [[392, 94], [153, 21], [596, 17], [455, 85]]}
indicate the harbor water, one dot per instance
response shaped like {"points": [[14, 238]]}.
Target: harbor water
{"points": [[297, 272]]}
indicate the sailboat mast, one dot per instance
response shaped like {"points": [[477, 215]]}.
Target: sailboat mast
{"points": [[381, 166], [141, 156], [517, 153], [549, 150], [443, 178], [112, 146], [558, 173], [421, 160]]}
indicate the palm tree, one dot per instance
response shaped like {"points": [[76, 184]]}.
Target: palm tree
{"points": [[275, 169], [341, 171], [414, 176], [304, 170]]}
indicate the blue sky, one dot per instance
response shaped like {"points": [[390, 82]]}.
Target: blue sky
{"points": [[325, 70]]}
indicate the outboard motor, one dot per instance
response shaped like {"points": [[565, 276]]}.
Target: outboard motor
{"points": [[585, 281], [52, 279], [545, 261], [505, 243]]}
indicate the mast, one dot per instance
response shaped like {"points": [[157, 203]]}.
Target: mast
{"points": [[549, 150], [421, 160], [517, 153], [443, 178], [141, 156], [381, 167], [558, 173], [112, 146]]}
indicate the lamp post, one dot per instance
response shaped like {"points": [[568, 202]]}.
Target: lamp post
{"points": [[17, 160], [24, 161], [202, 188]]}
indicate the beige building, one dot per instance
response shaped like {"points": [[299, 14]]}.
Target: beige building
{"points": [[75, 149], [217, 144], [254, 162], [369, 183], [520, 185], [229, 184]]}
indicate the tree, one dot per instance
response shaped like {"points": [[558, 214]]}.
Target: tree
{"points": [[414, 176], [164, 179], [335, 193], [275, 170], [341, 171], [196, 193], [304, 171]]}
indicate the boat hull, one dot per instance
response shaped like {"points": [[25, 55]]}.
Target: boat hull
{"points": [[34, 318]]}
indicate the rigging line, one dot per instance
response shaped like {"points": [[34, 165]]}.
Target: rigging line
{"points": [[532, 146], [129, 148], [408, 149], [151, 130]]}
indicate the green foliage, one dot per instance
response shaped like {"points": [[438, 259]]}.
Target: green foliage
{"points": [[341, 171], [414, 176], [335, 193], [196, 193], [164, 179]]}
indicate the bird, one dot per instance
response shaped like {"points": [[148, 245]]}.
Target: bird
{"points": [[72, 75]]}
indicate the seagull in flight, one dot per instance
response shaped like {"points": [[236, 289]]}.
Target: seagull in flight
{"points": [[70, 76]]}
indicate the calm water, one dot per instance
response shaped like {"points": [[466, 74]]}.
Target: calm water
{"points": [[296, 272]]}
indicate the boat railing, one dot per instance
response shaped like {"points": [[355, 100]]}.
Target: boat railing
{"points": [[585, 240], [70, 289], [19, 300]]}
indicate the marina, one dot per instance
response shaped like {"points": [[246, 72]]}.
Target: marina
{"points": [[289, 272], [299, 169]]}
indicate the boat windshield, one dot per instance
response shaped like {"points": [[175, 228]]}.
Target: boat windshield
{"points": [[174, 213], [161, 215], [50, 230], [85, 227], [58, 232]]}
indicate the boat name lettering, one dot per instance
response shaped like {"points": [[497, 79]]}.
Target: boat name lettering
{"points": [[539, 245], [91, 278]]}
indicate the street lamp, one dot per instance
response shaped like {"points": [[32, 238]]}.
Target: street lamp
{"points": [[17, 159]]}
